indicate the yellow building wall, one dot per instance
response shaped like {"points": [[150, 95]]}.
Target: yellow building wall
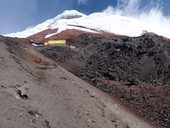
{"points": [[51, 42]]}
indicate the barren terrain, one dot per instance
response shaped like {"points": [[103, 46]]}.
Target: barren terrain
{"points": [[35, 92], [133, 70]]}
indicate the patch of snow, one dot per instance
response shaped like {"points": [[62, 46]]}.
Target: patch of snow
{"points": [[72, 47], [34, 44], [49, 35]]}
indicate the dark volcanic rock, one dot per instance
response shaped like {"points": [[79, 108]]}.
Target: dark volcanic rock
{"points": [[134, 70]]}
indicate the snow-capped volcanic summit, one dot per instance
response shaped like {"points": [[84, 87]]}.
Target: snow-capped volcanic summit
{"points": [[94, 23]]}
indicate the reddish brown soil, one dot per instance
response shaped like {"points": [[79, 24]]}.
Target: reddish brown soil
{"points": [[39, 37], [66, 34]]}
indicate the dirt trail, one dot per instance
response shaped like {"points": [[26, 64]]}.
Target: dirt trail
{"points": [[56, 98]]}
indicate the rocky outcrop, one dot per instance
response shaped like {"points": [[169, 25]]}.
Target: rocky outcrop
{"points": [[135, 70]]}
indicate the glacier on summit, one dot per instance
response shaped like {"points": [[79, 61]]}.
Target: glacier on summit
{"points": [[95, 23]]}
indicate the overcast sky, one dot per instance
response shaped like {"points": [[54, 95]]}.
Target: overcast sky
{"points": [[17, 15]]}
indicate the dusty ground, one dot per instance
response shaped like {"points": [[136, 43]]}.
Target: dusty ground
{"points": [[54, 97], [136, 71]]}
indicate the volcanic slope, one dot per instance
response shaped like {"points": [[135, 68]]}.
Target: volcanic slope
{"points": [[37, 93], [134, 70]]}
